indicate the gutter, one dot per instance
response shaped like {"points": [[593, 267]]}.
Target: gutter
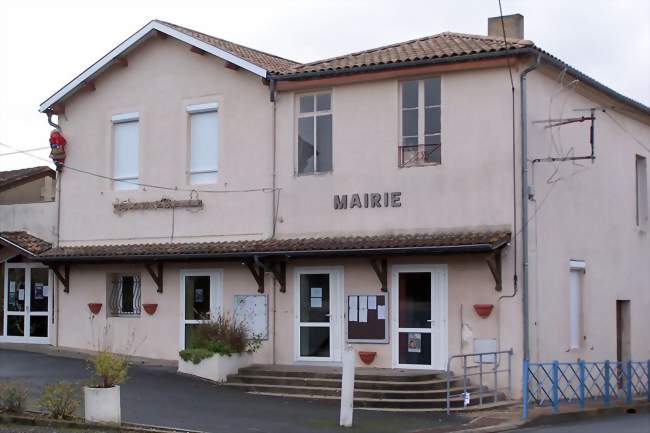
{"points": [[531, 51], [524, 203], [287, 253]]}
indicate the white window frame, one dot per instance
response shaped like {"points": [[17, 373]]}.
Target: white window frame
{"points": [[216, 298], [125, 182], [577, 269], [421, 139], [209, 107], [313, 114]]}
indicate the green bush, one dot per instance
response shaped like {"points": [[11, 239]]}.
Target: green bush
{"points": [[195, 355], [222, 336], [110, 369], [13, 397], [59, 400]]}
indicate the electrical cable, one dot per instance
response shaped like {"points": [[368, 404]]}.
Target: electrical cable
{"points": [[144, 185]]}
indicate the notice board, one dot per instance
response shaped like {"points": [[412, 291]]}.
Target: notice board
{"points": [[252, 311], [367, 319]]}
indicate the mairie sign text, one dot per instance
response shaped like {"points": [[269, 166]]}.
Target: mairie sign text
{"points": [[367, 200]]}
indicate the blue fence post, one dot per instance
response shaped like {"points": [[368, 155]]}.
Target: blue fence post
{"points": [[524, 389], [581, 372], [628, 383], [606, 390], [554, 390]]}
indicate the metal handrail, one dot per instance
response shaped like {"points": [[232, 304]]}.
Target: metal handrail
{"points": [[494, 371]]}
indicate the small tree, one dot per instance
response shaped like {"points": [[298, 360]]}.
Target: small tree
{"points": [[110, 369], [59, 400]]}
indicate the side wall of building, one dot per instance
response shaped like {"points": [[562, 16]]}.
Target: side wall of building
{"points": [[585, 210]]}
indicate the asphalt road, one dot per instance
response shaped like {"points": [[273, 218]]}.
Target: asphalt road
{"points": [[159, 396], [631, 423]]}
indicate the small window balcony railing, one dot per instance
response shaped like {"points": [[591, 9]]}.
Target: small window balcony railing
{"points": [[418, 154]]}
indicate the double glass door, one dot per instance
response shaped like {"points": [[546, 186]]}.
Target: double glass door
{"points": [[27, 301]]}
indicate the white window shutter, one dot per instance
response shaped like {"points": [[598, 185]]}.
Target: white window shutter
{"points": [[127, 155], [204, 150]]}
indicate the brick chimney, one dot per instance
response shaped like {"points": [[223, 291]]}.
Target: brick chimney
{"points": [[514, 25]]}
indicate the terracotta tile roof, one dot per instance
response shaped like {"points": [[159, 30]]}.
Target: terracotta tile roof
{"points": [[16, 177], [264, 60], [356, 245], [24, 240], [442, 45]]}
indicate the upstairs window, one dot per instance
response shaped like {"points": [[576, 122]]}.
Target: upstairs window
{"points": [[124, 295], [420, 122], [204, 143], [641, 191], [126, 150], [314, 133]]}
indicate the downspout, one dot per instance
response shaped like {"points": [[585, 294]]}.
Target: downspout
{"points": [[273, 183], [524, 202]]}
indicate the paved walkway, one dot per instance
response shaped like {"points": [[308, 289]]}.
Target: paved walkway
{"points": [[630, 423], [159, 396]]}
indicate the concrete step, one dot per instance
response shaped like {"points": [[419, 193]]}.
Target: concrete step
{"points": [[369, 374], [427, 385], [358, 393], [388, 403]]}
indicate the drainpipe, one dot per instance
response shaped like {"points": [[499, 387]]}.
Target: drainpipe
{"points": [[273, 192], [524, 202]]}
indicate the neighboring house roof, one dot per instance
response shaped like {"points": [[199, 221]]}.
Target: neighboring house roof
{"points": [[442, 45], [324, 246], [25, 242], [12, 178]]}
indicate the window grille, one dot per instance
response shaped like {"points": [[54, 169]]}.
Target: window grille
{"points": [[124, 295]]}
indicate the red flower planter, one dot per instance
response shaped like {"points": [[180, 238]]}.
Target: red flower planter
{"points": [[483, 310], [367, 357], [95, 307], [150, 308]]}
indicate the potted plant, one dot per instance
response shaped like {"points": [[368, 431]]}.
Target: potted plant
{"points": [[217, 348], [102, 396]]}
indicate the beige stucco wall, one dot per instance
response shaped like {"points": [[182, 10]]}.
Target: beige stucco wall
{"points": [[161, 79], [38, 219], [585, 212]]}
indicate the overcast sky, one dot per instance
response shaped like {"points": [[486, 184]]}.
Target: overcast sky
{"points": [[45, 44]]}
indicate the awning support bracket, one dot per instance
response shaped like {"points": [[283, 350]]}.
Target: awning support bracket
{"points": [[156, 274], [494, 263], [258, 273], [64, 277], [279, 270], [380, 266]]}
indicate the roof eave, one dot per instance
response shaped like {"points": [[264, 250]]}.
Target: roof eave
{"points": [[441, 249], [134, 39], [532, 51]]}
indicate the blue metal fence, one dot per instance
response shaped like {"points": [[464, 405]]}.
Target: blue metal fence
{"points": [[554, 383]]}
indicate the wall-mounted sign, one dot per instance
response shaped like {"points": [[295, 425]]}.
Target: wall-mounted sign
{"points": [[367, 200]]}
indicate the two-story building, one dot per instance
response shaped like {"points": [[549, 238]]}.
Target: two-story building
{"points": [[374, 198]]}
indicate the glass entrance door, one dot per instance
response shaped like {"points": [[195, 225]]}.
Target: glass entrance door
{"points": [[317, 309], [27, 300], [420, 316], [200, 301]]}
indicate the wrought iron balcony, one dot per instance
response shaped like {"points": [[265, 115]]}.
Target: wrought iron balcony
{"points": [[418, 154]]}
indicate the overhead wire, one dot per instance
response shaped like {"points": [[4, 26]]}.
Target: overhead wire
{"points": [[140, 184]]}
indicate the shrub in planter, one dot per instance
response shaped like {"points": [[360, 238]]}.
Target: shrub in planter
{"points": [[102, 401], [223, 337], [59, 400], [13, 397], [110, 369]]}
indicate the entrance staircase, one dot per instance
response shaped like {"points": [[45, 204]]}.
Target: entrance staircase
{"points": [[375, 389]]}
